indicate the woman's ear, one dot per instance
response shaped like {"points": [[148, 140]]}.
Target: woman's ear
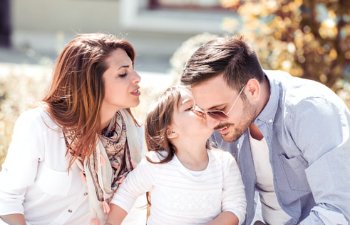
{"points": [[170, 133]]}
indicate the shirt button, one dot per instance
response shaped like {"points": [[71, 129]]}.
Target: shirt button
{"points": [[70, 211], [85, 194]]}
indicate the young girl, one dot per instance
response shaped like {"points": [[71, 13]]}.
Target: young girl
{"points": [[68, 156], [189, 183]]}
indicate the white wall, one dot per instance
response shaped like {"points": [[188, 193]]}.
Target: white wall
{"points": [[46, 25], [65, 15]]}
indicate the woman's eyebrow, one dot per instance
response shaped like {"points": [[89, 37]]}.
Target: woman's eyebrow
{"points": [[123, 66]]}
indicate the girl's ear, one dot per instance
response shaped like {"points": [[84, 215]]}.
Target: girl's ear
{"points": [[171, 133]]}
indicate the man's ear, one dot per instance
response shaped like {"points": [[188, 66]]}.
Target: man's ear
{"points": [[170, 133], [252, 90]]}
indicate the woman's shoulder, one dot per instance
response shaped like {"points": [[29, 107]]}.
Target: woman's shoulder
{"points": [[36, 117]]}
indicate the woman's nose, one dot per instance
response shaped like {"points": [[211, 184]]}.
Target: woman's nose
{"points": [[136, 78]]}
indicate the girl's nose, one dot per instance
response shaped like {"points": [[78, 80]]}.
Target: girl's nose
{"points": [[211, 122]]}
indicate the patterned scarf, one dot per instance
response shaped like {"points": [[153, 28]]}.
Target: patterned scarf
{"points": [[107, 167], [114, 141]]}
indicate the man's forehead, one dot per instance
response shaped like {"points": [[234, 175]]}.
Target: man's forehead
{"points": [[214, 81], [207, 95], [215, 84]]}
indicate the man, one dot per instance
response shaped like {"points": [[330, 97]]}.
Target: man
{"points": [[289, 135]]}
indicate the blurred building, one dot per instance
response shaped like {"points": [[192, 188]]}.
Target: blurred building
{"points": [[156, 27]]}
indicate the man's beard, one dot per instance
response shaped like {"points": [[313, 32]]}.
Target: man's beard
{"points": [[238, 129]]}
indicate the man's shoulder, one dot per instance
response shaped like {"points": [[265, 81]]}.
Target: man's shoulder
{"points": [[295, 91]]}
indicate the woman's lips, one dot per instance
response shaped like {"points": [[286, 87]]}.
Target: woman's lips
{"points": [[136, 92]]}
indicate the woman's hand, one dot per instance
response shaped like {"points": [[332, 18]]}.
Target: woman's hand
{"points": [[116, 215], [14, 219]]}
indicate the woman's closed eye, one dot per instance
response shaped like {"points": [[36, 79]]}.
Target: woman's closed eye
{"points": [[122, 75], [124, 71]]}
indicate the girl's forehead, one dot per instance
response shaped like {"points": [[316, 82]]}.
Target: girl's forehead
{"points": [[186, 96]]}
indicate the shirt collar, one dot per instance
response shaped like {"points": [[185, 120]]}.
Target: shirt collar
{"points": [[267, 115]]}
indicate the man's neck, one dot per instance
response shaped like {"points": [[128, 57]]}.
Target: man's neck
{"points": [[255, 132], [265, 95]]}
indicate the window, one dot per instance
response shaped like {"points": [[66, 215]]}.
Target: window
{"points": [[169, 16], [186, 4]]}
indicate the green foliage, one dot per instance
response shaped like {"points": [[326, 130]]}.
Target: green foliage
{"points": [[308, 38]]}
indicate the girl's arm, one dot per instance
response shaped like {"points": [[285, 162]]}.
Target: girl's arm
{"points": [[233, 196], [225, 218], [137, 182], [116, 215]]}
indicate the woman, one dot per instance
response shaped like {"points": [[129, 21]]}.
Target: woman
{"points": [[68, 156], [190, 184]]}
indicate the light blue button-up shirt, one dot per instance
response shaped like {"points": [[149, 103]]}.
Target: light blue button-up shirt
{"points": [[307, 129]]}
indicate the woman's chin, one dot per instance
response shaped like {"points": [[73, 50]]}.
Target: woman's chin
{"points": [[134, 103]]}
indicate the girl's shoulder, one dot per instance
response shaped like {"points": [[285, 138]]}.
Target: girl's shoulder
{"points": [[153, 160], [156, 156], [220, 152]]}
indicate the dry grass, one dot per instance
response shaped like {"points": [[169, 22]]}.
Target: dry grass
{"points": [[20, 88]]}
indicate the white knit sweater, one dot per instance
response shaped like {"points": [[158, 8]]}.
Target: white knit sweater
{"points": [[182, 196]]}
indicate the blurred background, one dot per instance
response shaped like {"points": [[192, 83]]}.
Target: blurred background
{"points": [[308, 38]]}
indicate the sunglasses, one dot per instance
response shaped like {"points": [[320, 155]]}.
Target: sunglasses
{"points": [[216, 114]]}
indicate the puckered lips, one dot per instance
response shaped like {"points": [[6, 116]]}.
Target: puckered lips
{"points": [[136, 91]]}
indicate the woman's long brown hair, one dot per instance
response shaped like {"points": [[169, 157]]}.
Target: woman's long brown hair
{"points": [[77, 89]]}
